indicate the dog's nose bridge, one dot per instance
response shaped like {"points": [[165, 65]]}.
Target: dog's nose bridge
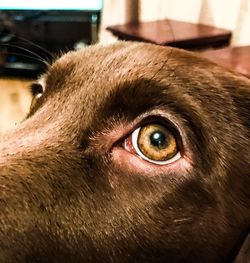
{"points": [[23, 143]]}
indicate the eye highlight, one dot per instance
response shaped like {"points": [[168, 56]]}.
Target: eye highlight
{"points": [[154, 143]]}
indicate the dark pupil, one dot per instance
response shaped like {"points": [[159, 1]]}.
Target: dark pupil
{"points": [[158, 139]]}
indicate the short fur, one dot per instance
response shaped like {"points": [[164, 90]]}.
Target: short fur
{"points": [[65, 196]]}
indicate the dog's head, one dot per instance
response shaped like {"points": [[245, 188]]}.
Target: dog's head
{"points": [[130, 153]]}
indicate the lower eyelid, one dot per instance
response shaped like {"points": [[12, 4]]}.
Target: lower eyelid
{"points": [[128, 145], [130, 162]]}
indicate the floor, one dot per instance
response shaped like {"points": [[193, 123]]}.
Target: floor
{"points": [[15, 99]]}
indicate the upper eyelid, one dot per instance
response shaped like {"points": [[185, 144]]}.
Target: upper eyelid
{"points": [[157, 118], [161, 120], [154, 116], [160, 117]]}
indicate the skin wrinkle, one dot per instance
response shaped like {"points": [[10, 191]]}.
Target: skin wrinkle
{"points": [[69, 192]]}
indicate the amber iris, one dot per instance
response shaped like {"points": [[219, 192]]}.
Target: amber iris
{"points": [[157, 142]]}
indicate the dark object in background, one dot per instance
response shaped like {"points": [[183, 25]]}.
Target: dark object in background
{"points": [[173, 33], [55, 31], [20, 57]]}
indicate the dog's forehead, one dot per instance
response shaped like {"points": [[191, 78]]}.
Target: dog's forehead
{"points": [[118, 61], [117, 54], [95, 72], [98, 73]]}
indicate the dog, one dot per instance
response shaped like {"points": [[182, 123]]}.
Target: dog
{"points": [[131, 152]]}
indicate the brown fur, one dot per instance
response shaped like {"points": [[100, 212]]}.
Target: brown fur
{"points": [[64, 197]]}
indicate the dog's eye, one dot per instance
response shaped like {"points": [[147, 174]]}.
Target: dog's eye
{"points": [[154, 143], [36, 89], [37, 92]]}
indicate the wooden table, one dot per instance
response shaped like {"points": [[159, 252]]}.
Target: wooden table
{"points": [[173, 33], [235, 58]]}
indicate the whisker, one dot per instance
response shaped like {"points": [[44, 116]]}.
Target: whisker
{"points": [[27, 56], [21, 48], [184, 219], [36, 56], [27, 41], [48, 55]]}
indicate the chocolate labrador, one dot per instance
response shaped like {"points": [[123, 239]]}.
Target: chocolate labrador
{"points": [[131, 152]]}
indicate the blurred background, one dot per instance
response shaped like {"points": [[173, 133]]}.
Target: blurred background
{"points": [[233, 15], [32, 33]]}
